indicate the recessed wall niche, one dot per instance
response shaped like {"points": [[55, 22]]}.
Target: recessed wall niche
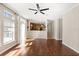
{"points": [[37, 26]]}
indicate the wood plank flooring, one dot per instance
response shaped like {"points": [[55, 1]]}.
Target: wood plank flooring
{"points": [[41, 47]]}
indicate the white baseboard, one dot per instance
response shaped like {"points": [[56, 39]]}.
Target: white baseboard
{"points": [[57, 39], [71, 48], [7, 49]]}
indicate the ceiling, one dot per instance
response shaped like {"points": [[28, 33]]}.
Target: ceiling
{"points": [[56, 10]]}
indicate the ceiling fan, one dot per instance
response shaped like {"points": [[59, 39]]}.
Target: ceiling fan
{"points": [[38, 9]]}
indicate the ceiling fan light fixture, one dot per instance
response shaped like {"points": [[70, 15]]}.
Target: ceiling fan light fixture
{"points": [[38, 9]]}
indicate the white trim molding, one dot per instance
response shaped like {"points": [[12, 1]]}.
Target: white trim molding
{"points": [[71, 47]]}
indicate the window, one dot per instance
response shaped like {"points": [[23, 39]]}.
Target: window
{"points": [[9, 27], [9, 14]]}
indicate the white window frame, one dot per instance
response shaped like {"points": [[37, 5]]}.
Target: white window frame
{"points": [[9, 16]]}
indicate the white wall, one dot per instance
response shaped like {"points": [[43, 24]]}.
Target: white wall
{"points": [[17, 29], [71, 29], [58, 29], [38, 34], [1, 9]]}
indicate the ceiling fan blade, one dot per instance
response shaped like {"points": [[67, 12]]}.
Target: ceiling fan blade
{"points": [[35, 13], [42, 12], [44, 9], [37, 6], [32, 9]]}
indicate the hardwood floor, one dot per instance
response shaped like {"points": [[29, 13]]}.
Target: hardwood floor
{"points": [[41, 47]]}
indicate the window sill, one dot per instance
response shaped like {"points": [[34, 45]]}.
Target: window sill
{"points": [[8, 42]]}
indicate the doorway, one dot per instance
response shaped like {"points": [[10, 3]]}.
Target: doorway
{"points": [[50, 29]]}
